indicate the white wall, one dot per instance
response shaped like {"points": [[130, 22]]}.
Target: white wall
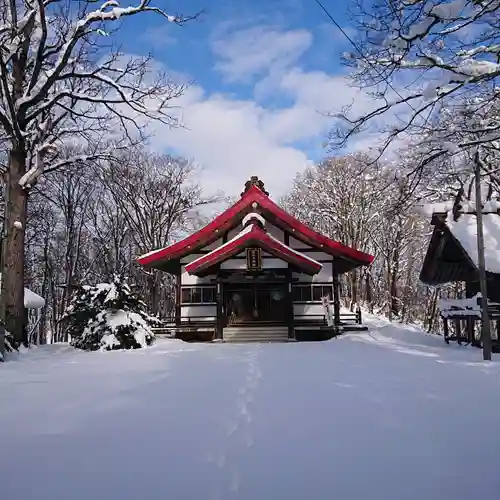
{"points": [[294, 243], [189, 258], [276, 232], [267, 263], [311, 309], [324, 276], [271, 229], [189, 279], [274, 263], [210, 311], [234, 264], [213, 245], [233, 232]]}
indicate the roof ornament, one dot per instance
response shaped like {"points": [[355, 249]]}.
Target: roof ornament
{"points": [[254, 181], [254, 218]]}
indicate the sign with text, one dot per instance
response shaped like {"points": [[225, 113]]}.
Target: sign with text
{"points": [[254, 259]]}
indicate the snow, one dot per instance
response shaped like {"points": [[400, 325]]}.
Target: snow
{"points": [[235, 238], [391, 413], [465, 231], [296, 252], [18, 224], [460, 307], [474, 68], [253, 215], [450, 10], [32, 300], [419, 29], [429, 209]]}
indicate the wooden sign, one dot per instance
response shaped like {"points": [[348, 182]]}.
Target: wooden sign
{"points": [[254, 259]]}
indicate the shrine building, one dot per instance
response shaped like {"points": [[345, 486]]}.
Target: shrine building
{"points": [[255, 273]]}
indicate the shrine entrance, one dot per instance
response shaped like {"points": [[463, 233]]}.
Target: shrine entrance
{"points": [[254, 303]]}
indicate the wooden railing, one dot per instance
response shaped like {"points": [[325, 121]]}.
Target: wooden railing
{"points": [[191, 322], [345, 317], [464, 323]]}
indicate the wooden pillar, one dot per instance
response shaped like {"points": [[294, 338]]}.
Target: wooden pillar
{"points": [[446, 331], [219, 322], [470, 329], [178, 283], [290, 320], [336, 295], [458, 329]]}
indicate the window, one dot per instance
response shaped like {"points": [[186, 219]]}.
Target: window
{"points": [[198, 295], [311, 293], [208, 294]]}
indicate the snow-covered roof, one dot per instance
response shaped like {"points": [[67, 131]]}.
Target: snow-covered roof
{"points": [[253, 215], [32, 300], [460, 307], [264, 239], [465, 231], [168, 258]]}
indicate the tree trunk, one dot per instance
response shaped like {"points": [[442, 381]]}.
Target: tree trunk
{"points": [[13, 271], [42, 332], [368, 290]]}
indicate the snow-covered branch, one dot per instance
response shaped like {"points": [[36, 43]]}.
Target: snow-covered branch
{"points": [[424, 56], [53, 71]]}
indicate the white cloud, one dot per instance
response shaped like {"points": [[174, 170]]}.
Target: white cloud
{"points": [[228, 139], [251, 52], [233, 139]]}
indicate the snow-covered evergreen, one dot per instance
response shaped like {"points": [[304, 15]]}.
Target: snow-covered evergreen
{"points": [[109, 316], [9, 344]]}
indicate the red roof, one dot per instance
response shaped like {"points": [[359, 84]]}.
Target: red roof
{"points": [[254, 236], [233, 216]]}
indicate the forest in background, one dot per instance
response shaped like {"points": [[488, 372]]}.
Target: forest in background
{"points": [[86, 226], [85, 194]]}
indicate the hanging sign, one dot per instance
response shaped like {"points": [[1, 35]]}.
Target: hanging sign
{"points": [[254, 259]]}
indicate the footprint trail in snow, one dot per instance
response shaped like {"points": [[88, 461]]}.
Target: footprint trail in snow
{"points": [[239, 430]]}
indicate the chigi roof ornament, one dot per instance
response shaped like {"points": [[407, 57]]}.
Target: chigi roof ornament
{"points": [[254, 181]]}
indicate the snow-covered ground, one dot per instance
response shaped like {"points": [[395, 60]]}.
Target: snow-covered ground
{"points": [[390, 414]]}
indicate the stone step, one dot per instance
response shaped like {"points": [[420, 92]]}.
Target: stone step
{"points": [[256, 334]]}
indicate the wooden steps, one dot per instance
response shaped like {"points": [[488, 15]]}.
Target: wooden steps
{"points": [[255, 334]]}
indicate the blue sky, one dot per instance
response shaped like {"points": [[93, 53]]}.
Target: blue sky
{"points": [[262, 73]]}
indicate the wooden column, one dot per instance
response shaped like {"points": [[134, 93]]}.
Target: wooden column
{"points": [[458, 329], [289, 305], [178, 282], [446, 331], [219, 328], [336, 295]]}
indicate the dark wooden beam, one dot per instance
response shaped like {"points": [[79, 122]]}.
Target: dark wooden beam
{"points": [[178, 279], [289, 304], [220, 320], [336, 295]]}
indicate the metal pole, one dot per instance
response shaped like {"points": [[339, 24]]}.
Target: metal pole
{"points": [[486, 329]]}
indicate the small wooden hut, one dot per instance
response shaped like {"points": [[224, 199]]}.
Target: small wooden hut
{"points": [[452, 256]]}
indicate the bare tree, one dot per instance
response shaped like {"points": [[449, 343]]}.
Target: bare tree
{"points": [[159, 198], [58, 80], [423, 58], [360, 203]]}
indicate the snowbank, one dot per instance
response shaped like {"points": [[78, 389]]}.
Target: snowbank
{"points": [[391, 413], [32, 300], [465, 231]]}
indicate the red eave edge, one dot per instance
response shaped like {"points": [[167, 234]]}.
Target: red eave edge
{"points": [[215, 229], [255, 235]]}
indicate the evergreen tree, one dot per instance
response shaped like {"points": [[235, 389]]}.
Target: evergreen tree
{"points": [[109, 316], [10, 344]]}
